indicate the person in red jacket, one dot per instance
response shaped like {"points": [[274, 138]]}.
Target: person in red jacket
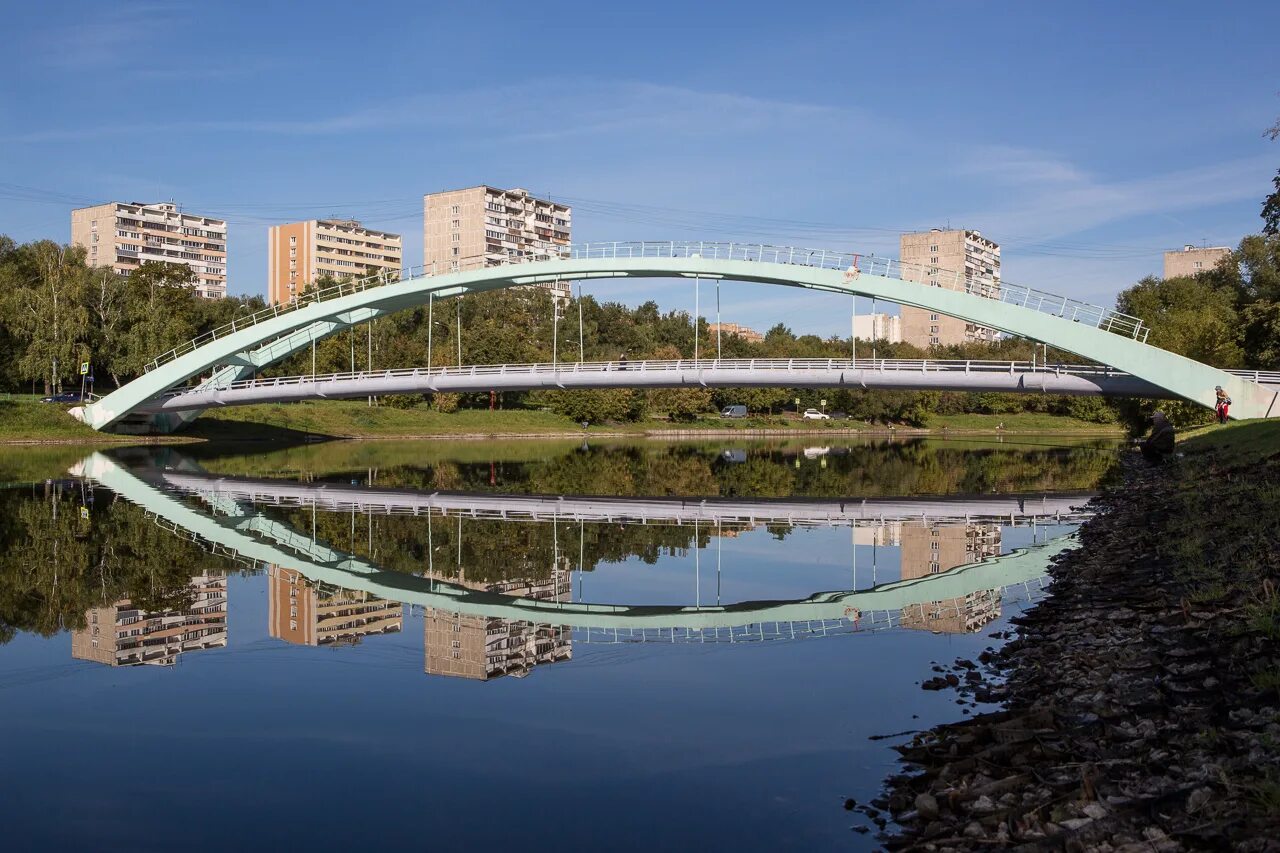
{"points": [[1223, 403]]}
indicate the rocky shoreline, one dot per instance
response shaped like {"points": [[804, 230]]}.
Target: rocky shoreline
{"points": [[1141, 700]]}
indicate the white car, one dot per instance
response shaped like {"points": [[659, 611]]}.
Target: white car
{"points": [[815, 415]]}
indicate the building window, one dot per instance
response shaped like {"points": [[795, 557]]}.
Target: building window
{"points": [[455, 251], [457, 238], [933, 248], [933, 318], [455, 210]]}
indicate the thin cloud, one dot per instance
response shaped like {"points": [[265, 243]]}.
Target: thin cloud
{"points": [[112, 39], [1052, 209], [600, 108]]}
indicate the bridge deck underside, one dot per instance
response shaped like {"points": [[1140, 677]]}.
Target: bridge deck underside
{"points": [[941, 377]]}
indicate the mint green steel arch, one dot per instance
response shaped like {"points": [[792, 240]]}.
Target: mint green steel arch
{"points": [[243, 352]]}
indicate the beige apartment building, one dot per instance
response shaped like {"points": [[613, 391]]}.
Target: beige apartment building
{"points": [[726, 329], [298, 612], [301, 252], [484, 226], [125, 635], [935, 257], [122, 235], [483, 648], [1190, 261], [929, 549]]}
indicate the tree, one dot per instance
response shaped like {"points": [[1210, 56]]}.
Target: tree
{"points": [[1271, 204], [45, 286], [1190, 316], [679, 404], [106, 309], [1271, 210], [160, 307]]}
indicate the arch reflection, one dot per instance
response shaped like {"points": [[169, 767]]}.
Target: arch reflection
{"points": [[488, 627]]}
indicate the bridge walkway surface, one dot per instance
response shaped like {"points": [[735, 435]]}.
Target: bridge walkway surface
{"points": [[904, 374]]}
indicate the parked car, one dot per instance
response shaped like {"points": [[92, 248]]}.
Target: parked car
{"points": [[839, 416], [815, 415], [71, 397], [737, 411]]}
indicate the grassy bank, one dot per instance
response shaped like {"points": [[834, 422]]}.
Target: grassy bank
{"points": [[31, 421], [347, 418]]}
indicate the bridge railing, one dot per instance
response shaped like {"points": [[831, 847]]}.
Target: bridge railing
{"points": [[551, 369], [850, 263]]}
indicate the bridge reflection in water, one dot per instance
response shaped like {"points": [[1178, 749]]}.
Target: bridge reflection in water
{"points": [[952, 578]]}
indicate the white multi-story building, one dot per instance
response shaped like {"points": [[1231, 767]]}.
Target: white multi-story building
{"points": [[122, 235], [878, 327]]}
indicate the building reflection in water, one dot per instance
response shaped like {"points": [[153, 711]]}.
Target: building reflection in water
{"points": [[304, 613], [123, 634], [487, 647], [930, 549]]}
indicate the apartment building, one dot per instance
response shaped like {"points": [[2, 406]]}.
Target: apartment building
{"points": [[1190, 261], [485, 226], [726, 329], [886, 534], [298, 253], [483, 648], [300, 612], [123, 235], [878, 327], [935, 257], [123, 634], [929, 549]]}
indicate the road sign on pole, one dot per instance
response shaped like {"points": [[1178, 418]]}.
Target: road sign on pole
{"points": [[84, 368]]}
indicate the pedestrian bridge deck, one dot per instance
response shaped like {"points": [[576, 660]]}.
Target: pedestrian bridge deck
{"points": [[909, 374]]}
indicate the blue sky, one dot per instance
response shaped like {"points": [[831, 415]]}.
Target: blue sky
{"points": [[1085, 139]]}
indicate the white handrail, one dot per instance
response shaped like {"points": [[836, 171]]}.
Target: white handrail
{"points": [[748, 364], [1004, 291]]}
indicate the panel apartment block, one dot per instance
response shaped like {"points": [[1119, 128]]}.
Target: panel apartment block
{"points": [[929, 549], [934, 257], [123, 235], [298, 612], [484, 226], [486, 647], [123, 634], [1190, 261], [301, 252]]}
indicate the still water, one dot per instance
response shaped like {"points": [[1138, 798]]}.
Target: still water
{"points": [[632, 646]]}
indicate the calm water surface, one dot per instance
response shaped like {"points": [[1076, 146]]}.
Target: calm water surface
{"points": [[634, 645]]}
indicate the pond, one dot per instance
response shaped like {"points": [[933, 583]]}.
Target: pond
{"points": [[636, 645]]}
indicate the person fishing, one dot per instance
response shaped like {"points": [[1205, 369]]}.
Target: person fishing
{"points": [[1222, 404], [1159, 445]]}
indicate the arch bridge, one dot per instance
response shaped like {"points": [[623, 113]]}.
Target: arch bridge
{"points": [[241, 349]]}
